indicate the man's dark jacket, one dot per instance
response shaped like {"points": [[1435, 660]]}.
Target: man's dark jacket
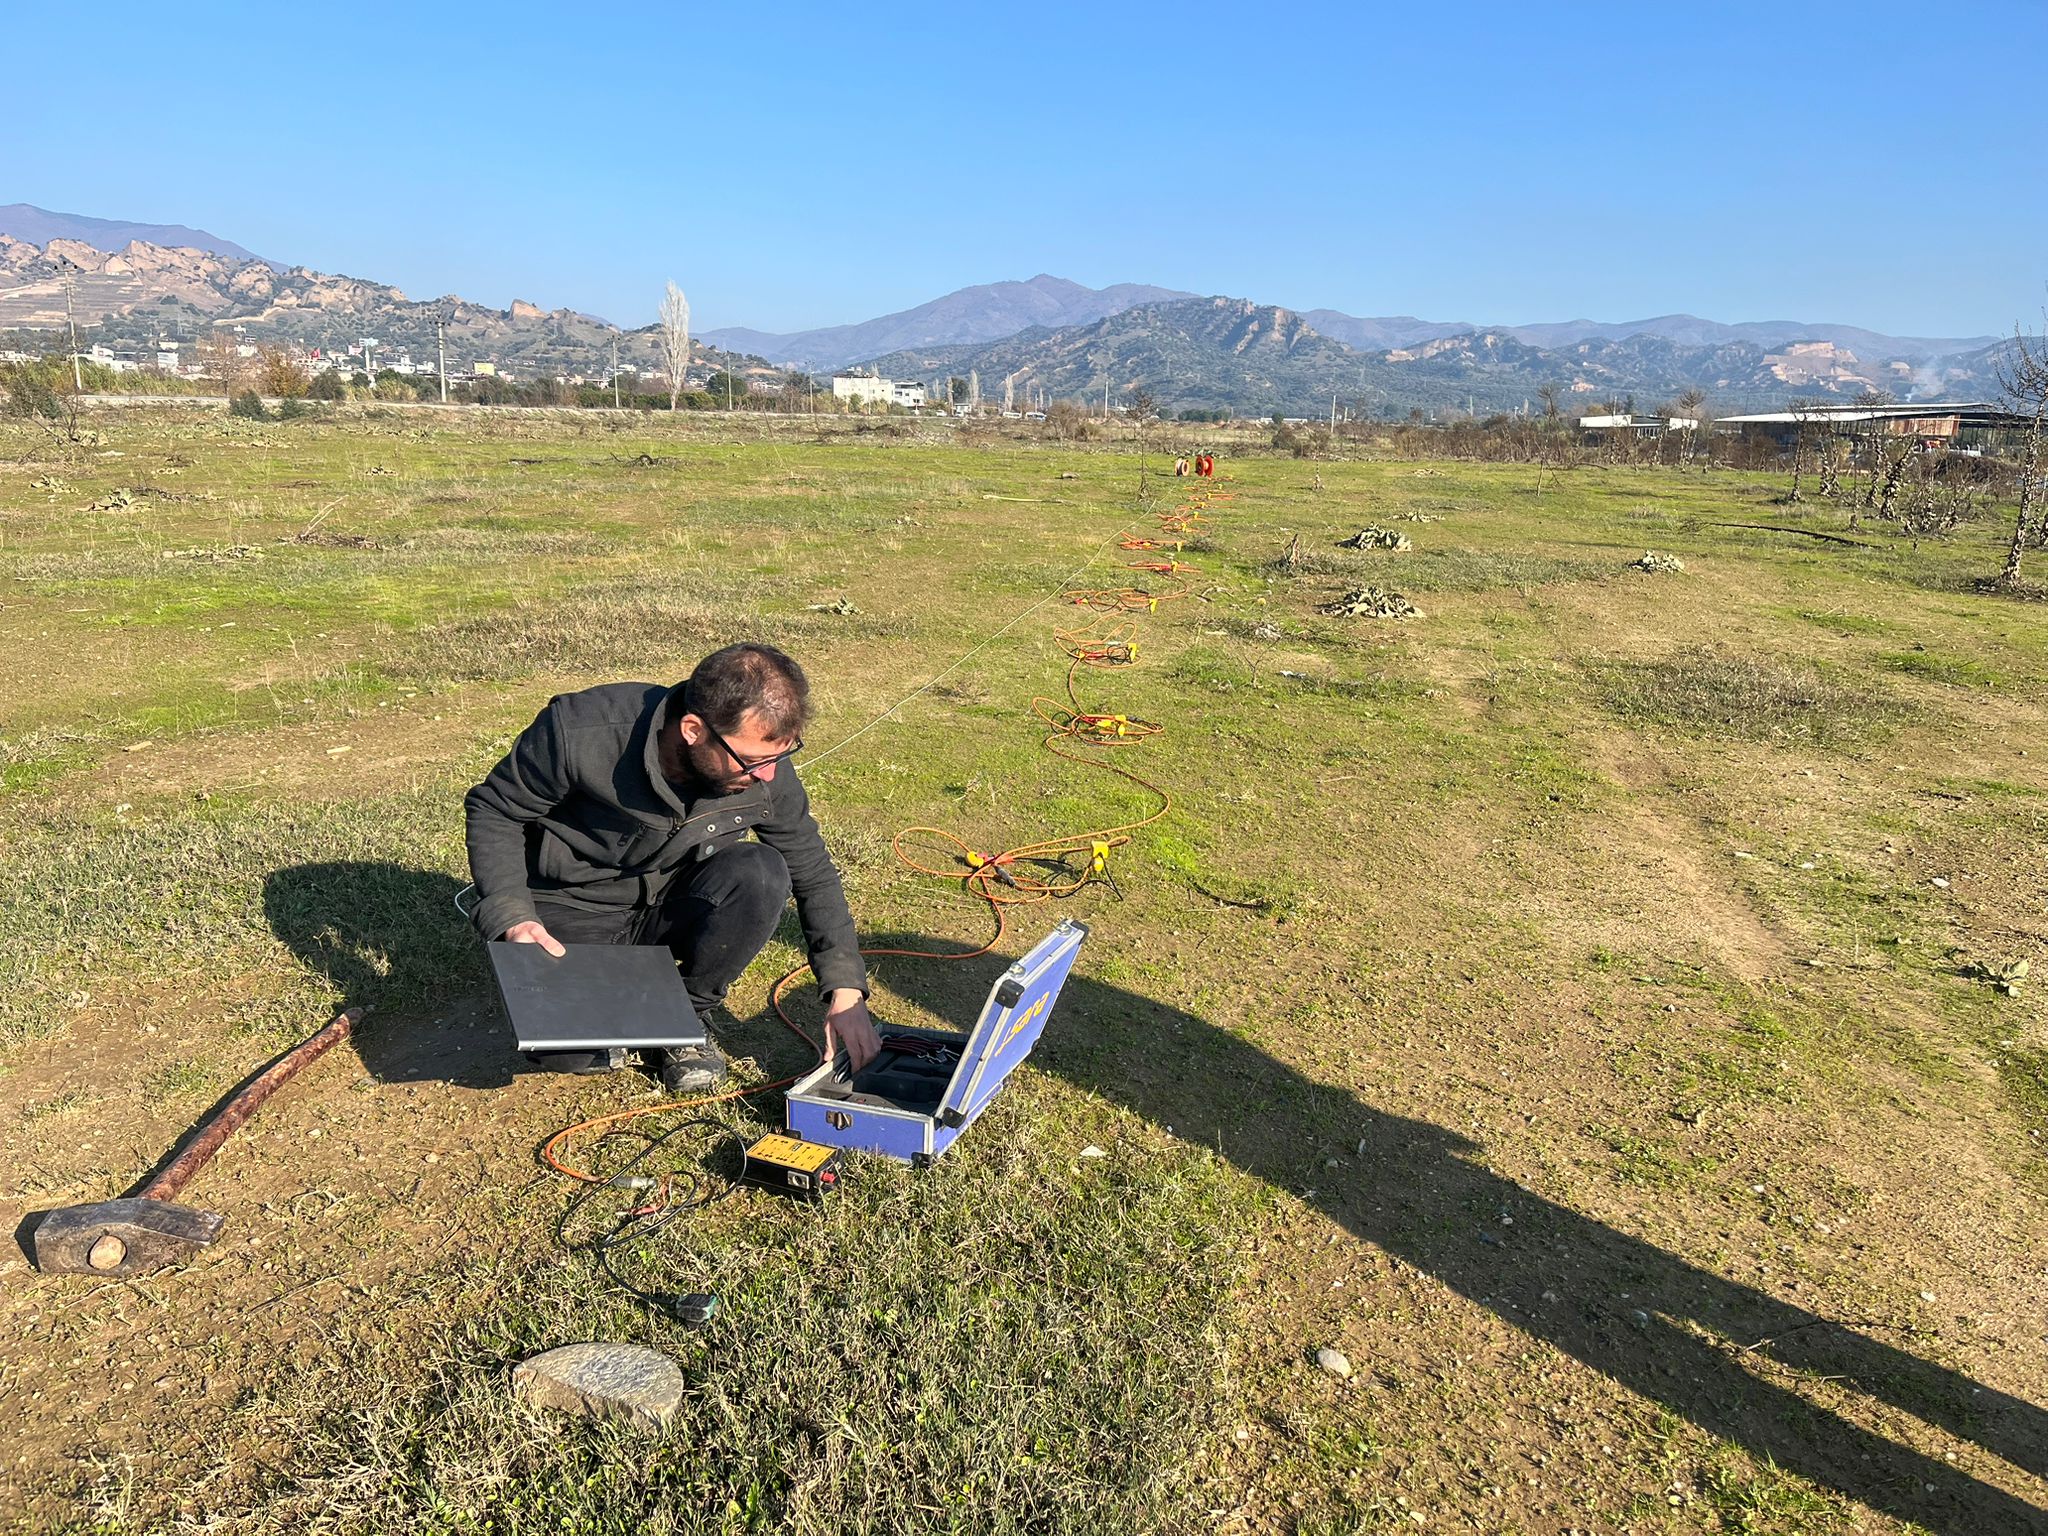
{"points": [[579, 812]]}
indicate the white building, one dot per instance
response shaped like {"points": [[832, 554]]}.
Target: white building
{"points": [[864, 387], [869, 389], [1642, 426]]}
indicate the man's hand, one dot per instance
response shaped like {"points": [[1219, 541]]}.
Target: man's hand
{"points": [[848, 1027], [534, 932]]}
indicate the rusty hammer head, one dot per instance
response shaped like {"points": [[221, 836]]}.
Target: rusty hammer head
{"points": [[121, 1237]]}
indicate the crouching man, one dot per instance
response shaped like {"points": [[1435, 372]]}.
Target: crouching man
{"points": [[635, 813]]}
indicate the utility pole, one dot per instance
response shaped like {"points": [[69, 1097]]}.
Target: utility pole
{"points": [[1333, 415], [728, 383], [77, 382], [441, 346], [615, 371]]}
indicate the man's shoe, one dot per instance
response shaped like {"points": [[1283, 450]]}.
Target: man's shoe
{"points": [[688, 1069]]}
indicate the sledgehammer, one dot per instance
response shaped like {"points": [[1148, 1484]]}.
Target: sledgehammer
{"points": [[145, 1231]]}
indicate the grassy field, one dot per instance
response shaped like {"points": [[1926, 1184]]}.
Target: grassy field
{"points": [[1578, 1003]]}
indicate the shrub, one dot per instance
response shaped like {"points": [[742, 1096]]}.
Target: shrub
{"points": [[31, 389], [249, 406]]}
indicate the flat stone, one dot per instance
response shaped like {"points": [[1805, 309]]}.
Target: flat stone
{"points": [[1335, 1361], [601, 1381]]}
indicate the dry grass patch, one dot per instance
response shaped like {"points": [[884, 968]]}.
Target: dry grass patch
{"points": [[623, 627], [1711, 691]]}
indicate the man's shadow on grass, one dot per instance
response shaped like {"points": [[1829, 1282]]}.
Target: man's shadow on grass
{"points": [[390, 937], [1424, 1198]]}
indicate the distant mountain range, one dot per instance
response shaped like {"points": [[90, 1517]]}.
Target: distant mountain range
{"points": [[39, 226], [1187, 351], [143, 293], [1046, 335], [1237, 355], [1692, 331], [993, 311], [985, 313]]}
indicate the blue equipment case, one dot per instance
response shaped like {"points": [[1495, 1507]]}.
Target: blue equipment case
{"points": [[899, 1105]]}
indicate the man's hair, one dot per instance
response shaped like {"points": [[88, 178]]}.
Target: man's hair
{"points": [[731, 684]]}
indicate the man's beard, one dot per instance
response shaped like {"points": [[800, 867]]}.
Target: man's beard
{"points": [[704, 762]]}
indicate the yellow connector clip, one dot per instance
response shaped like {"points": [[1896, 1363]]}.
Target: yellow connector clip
{"points": [[1152, 605]]}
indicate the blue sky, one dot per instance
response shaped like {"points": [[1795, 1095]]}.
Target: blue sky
{"points": [[803, 165]]}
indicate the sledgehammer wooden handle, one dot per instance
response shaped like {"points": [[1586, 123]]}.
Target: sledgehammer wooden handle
{"points": [[178, 1173]]}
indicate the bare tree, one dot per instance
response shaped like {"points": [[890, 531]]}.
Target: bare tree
{"points": [[1690, 408], [675, 341], [2023, 377], [1895, 451], [1872, 434], [1827, 455], [1809, 422], [1066, 420], [220, 358], [1945, 494]]}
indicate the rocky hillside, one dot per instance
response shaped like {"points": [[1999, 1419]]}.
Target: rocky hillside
{"points": [[1253, 359], [1215, 352], [39, 226], [987, 312], [144, 292], [1692, 331]]}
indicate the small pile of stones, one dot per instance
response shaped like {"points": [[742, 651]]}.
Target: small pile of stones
{"points": [[1371, 603], [113, 501], [1372, 536], [1652, 561], [225, 552]]}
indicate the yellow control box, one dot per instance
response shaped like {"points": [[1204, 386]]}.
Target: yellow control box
{"points": [[793, 1166]]}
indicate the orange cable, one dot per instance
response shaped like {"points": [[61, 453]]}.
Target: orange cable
{"points": [[992, 878]]}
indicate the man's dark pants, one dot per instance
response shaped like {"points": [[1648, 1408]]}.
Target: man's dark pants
{"points": [[715, 917]]}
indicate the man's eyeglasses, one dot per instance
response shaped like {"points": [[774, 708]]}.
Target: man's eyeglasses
{"points": [[754, 764]]}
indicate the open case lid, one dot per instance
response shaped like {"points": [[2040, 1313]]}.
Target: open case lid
{"points": [[1011, 1021]]}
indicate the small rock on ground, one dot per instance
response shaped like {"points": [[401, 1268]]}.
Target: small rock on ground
{"points": [[1335, 1361], [601, 1381]]}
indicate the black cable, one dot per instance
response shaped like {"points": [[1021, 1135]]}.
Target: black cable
{"points": [[659, 1201]]}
